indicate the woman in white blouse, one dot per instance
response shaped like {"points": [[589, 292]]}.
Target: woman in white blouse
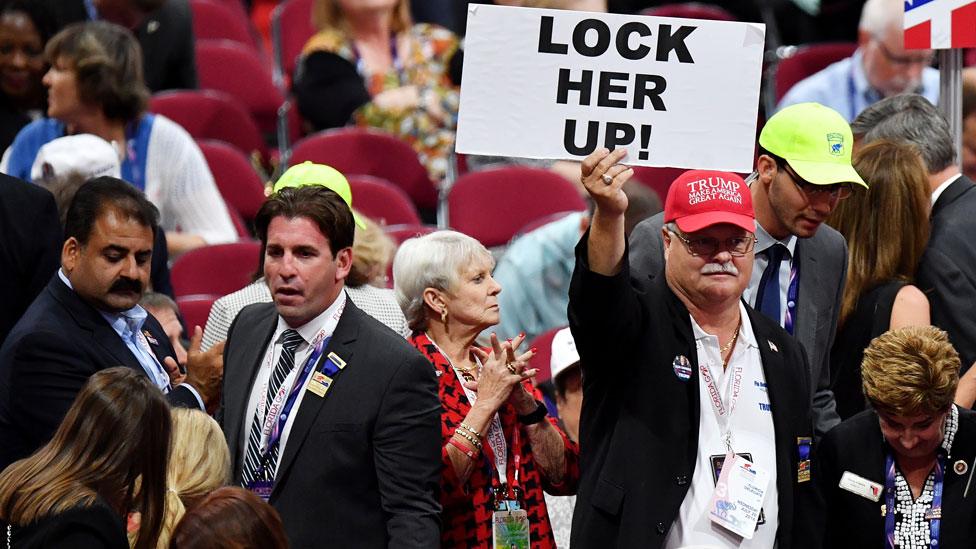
{"points": [[95, 85]]}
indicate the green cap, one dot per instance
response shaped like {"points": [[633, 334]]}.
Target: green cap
{"points": [[309, 173], [815, 140]]}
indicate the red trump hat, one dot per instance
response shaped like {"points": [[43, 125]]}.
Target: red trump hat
{"points": [[701, 198]]}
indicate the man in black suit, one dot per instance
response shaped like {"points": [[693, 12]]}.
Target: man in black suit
{"points": [[30, 247], [88, 319], [329, 415], [164, 29], [947, 272], [680, 373]]}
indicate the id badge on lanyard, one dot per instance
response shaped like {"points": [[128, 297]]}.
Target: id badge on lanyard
{"points": [[510, 527]]}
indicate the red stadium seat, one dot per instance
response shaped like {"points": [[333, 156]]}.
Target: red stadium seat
{"points": [[296, 17], [211, 115], [215, 270], [382, 201], [690, 10], [195, 311], [797, 63], [657, 179], [402, 233], [220, 20], [239, 184], [542, 343], [239, 71], [492, 205], [366, 151]]}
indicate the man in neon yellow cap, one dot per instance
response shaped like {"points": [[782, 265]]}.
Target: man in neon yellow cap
{"points": [[803, 170]]}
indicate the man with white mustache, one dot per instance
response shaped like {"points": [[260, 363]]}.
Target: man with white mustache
{"points": [[802, 171], [684, 385]]}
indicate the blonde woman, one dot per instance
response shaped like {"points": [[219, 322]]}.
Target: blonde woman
{"points": [[199, 463]]}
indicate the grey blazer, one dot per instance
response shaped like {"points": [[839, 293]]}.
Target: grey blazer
{"points": [[824, 268], [362, 466]]}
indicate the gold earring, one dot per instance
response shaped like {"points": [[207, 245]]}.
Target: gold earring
{"points": [[444, 315]]}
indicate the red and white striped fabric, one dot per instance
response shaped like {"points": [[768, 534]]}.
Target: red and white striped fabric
{"points": [[940, 24]]}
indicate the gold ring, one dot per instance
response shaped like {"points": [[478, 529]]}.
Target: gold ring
{"points": [[511, 368], [608, 179]]}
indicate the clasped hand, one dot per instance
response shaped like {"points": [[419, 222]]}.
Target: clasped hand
{"points": [[502, 374]]}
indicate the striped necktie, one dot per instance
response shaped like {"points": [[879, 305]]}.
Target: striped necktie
{"points": [[254, 466]]}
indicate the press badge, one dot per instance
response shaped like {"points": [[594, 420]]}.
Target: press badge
{"points": [[510, 529], [738, 497]]}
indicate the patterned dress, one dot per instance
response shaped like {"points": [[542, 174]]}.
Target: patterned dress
{"points": [[466, 519], [423, 54]]}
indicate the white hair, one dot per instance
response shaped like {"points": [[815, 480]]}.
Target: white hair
{"points": [[434, 261], [878, 16]]}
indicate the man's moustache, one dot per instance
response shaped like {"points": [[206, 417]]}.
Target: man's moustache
{"points": [[713, 268]]}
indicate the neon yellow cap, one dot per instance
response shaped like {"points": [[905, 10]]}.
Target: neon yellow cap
{"points": [[309, 173], [815, 140]]}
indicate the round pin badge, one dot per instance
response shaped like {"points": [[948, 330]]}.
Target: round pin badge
{"points": [[960, 467], [682, 367]]}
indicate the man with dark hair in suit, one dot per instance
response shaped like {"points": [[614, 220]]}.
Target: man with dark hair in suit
{"points": [[683, 383], [329, 415], [803, 170], [164, 29], [30, 247], [88, 319], [947, 272]]}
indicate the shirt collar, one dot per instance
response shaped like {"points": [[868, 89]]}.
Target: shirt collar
{"points": [[945, 185], [132, 319], [746, 334], [765, 241], [310, 329]]}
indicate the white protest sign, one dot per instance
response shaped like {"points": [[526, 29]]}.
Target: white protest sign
{"points": [[559, 84]]}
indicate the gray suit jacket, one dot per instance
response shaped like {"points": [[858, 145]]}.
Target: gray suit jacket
{"points": [[362, 465], [823, 260]]}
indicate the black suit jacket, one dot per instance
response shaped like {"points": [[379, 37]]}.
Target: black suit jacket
{"points": [[639, 423], [47, 358], [856, 445], [166, 38], [362, 466], [947, 272], [30, 247]]}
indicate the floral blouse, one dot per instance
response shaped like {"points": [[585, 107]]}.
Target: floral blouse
{"points": [[466, 519], [423, 54]]}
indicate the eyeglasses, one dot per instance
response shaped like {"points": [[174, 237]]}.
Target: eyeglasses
{"points": [[738, 246], [837, 191], [903, 60]]}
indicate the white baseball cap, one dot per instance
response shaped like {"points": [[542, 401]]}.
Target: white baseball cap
{"points": [[84, 154], [564, 353]]}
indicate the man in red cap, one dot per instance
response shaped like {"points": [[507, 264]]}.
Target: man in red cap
{"points": [[696, 426]]}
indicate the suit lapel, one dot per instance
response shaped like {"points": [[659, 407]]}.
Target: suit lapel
{"points": [[778, 384], [91, 320], [342, 344], [808, 297], [237, 385]]}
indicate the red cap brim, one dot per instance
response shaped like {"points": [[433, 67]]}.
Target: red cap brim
{"points": [[696, 222]]}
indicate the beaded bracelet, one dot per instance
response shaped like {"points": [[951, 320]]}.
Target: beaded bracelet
{"points": [[467, 428], [469, 438]]}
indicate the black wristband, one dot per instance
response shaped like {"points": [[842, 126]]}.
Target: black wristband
{"points": [[537, 416]]}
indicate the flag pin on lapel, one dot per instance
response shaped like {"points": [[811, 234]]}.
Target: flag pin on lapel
{"points": [[772, 346], [150, 338]]}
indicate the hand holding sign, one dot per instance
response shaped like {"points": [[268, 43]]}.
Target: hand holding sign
{"points": [[604, 180]]}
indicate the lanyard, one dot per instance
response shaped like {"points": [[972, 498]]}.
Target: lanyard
{"points": [[296, 387], [502, 488], [935, 511], [792, 292], [723, 413]]}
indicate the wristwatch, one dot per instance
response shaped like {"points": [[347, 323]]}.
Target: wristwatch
{"points": [[536, 416]]}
